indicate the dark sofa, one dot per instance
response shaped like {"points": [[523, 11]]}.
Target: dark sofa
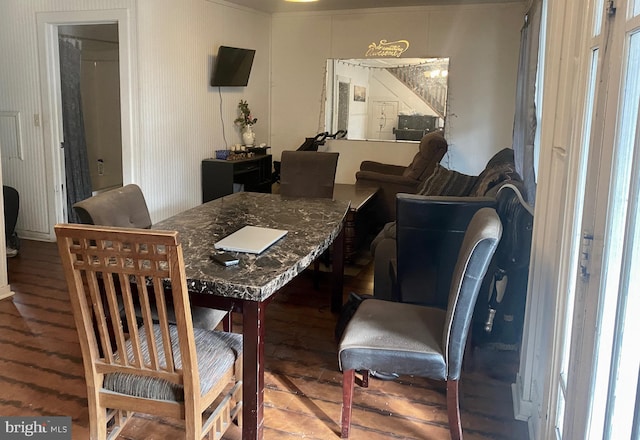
{"points": [[416, 254]]}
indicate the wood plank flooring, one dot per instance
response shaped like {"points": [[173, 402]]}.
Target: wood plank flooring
{"points": [[41, 370]]}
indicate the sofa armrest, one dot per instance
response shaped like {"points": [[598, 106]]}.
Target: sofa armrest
{"points": [[430, 231], [389, 185], [383, 168]]}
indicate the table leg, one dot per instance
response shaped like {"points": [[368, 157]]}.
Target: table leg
{"points": [[350, 237], [337, 264], [253, 329]]}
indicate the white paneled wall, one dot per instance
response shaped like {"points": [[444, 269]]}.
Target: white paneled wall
{"points": [[181, 121]]}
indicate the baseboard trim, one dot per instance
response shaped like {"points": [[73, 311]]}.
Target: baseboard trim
{"points": [[522, 409], [5, 292]]}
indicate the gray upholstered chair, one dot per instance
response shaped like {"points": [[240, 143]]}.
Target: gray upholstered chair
{"points": [[308, 173], [122, 207], [126, 208], [146, 364], [418, 340]]}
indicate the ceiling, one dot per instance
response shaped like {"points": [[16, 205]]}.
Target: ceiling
{"points": [[272, 6]]}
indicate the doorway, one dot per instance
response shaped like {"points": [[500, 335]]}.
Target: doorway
{"points": [[108, 37], [100, 86], [383, 123], [90, 111]]}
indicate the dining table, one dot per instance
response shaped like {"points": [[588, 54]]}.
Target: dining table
{"points": [[313, 226]]}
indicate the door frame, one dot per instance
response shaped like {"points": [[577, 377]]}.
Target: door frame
{"points": [[47, 25]]}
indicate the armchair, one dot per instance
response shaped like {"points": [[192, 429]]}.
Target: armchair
{"points": [[394, 179]]}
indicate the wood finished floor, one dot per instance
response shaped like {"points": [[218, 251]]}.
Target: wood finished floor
{"points": [[41, 370]]}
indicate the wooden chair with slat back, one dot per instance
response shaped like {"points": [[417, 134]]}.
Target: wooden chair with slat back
{"points": [[156, 368]]}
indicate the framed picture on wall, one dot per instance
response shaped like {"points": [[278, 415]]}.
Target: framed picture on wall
{"points": [[359, 93]]}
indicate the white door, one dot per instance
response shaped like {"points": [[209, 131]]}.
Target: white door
{"points": [[382, 120], [599, 360]]}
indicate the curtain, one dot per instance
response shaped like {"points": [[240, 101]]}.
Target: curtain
{"points": [[78, 178], [524, 127]]}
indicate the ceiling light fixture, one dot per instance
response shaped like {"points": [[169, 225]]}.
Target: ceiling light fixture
{"points": [[301, 1]]}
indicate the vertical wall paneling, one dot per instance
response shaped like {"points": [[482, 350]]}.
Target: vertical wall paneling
{"points": [[185, 119]]}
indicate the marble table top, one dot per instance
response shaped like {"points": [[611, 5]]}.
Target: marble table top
{"points": [[313, 224]]}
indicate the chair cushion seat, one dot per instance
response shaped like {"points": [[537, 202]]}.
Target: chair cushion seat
{"points": [[216, 352], [395, 337], [202, 317]]}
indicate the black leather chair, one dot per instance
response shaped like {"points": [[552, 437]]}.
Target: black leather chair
{"points": [[418, 340], [11, 200], [425, 239], [415, 263], [431, 232]]}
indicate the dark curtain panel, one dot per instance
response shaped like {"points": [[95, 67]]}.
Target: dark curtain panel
{"points": [[78, 179], [524, 127]]}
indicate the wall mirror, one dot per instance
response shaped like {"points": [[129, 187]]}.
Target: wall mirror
{"points": [[390, 99]]}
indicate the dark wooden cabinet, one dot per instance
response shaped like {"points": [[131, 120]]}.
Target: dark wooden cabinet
{"points": [[218, 176]]}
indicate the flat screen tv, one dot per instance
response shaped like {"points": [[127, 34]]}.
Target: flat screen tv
{"points": [[232, 67]]}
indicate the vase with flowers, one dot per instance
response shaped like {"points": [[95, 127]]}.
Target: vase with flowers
{"points": [[245, 121]]}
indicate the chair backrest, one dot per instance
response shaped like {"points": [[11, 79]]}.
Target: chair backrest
{"points": [[430, 232], [308, 173], [121, 207], [433, 147], [478, 247], [98, 262]]}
